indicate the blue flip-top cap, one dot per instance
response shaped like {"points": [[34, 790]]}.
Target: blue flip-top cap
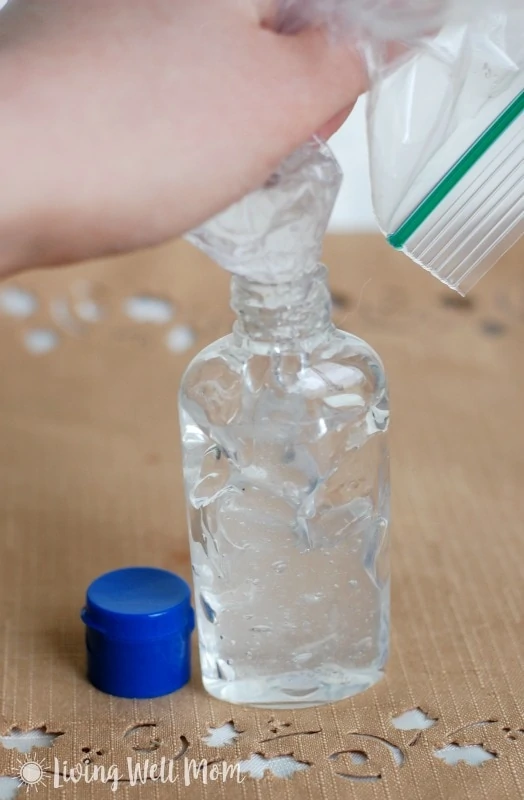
{"points": [[139, 622]]}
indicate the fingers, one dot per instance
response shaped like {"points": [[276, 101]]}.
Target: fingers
{"points": [[335, 68], [313, 83], [335, 123]]}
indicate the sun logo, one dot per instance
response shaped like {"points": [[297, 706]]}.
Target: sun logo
{"points": [[32, 772]]}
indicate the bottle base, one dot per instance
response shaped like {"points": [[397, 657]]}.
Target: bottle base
{"points": [[298, 690]]}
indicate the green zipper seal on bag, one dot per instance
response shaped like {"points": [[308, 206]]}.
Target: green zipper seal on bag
{"points": [[400, 237]]}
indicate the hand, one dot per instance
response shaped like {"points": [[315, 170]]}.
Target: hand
{"points": [[126, 123]]}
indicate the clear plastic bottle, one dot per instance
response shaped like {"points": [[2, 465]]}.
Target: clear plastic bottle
{"points": [[284, 428]]}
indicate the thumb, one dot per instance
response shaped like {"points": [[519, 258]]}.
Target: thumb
{"points": [[321, 82]]}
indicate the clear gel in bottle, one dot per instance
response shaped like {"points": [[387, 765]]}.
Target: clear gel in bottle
{"points": [[284, 429]]}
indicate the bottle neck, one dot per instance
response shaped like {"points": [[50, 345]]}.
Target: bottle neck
{"points": [[283, 314]]}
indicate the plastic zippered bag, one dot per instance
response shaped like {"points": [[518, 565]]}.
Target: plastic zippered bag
{"points": [[445, 123]]}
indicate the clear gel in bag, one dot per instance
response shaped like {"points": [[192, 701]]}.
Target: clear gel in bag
{"points": [[445, 125]]}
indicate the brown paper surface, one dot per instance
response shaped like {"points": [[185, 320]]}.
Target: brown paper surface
{"points": [[90, 480]]}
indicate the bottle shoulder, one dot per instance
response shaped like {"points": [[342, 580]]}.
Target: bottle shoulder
{"points": [[344, 347], [337, 342], [219, 349], [339, 348], [229, 383]]}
